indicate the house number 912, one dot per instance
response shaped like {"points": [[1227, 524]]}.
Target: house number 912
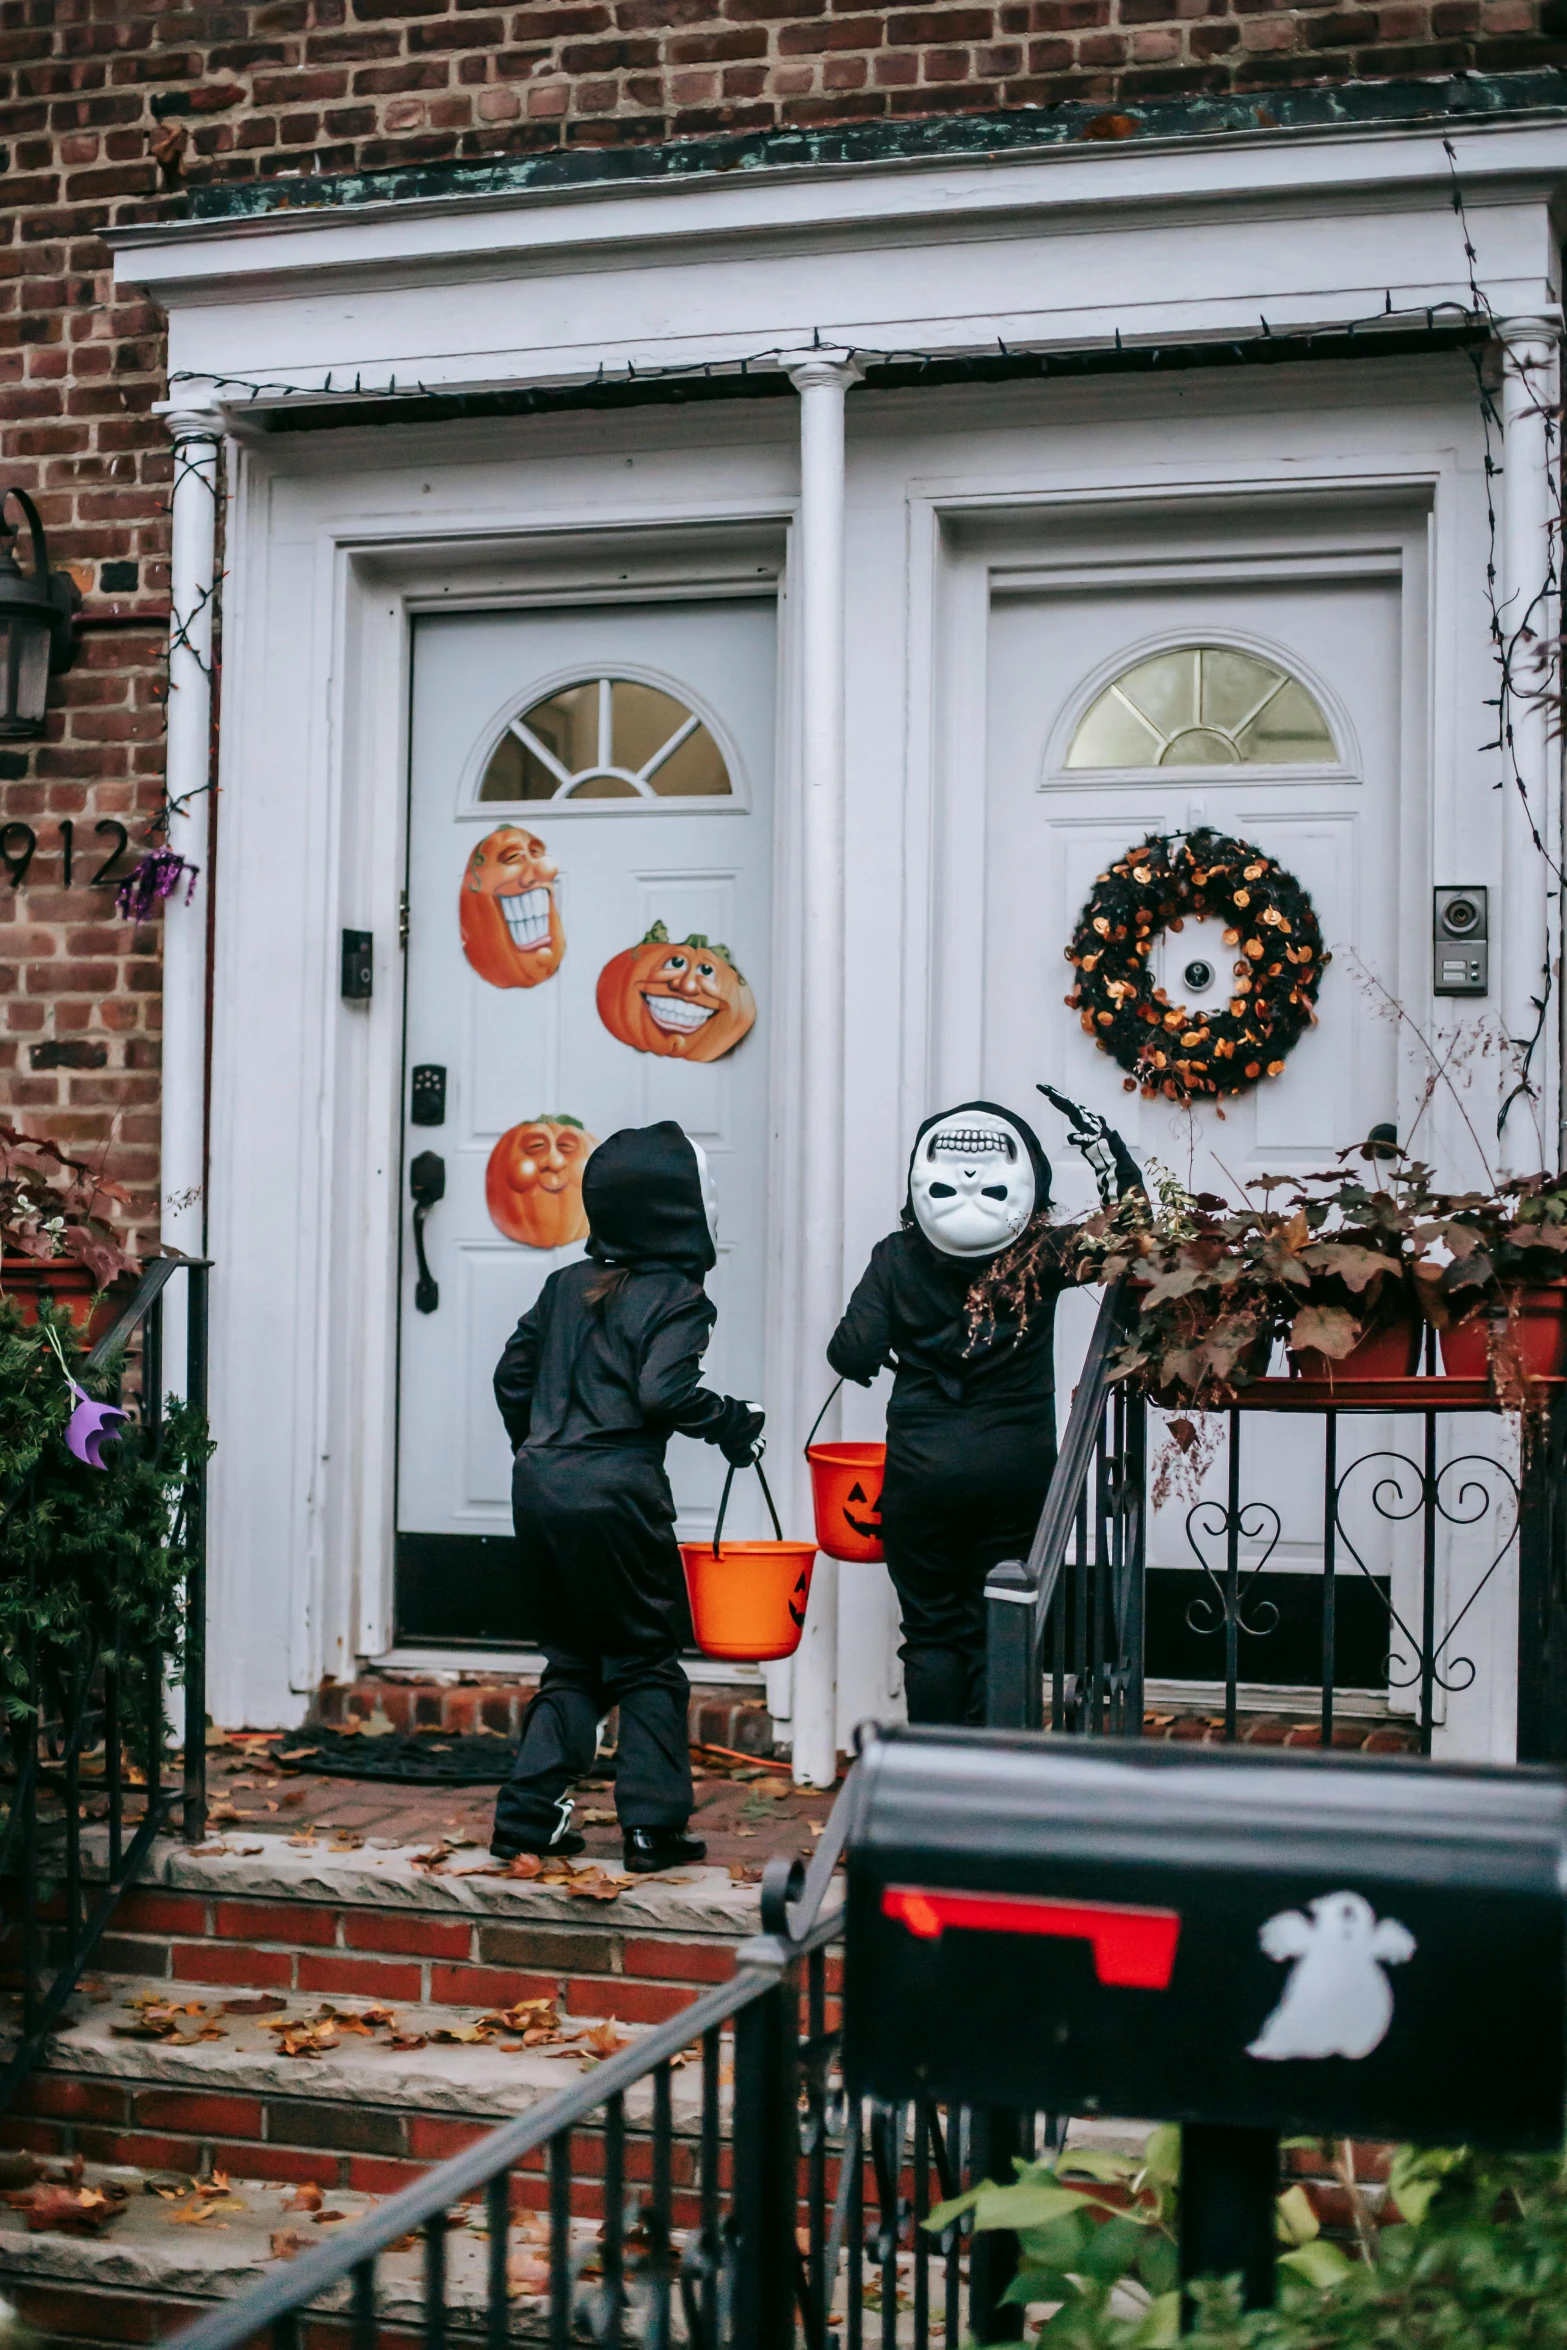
{"points": [[19, 842]]}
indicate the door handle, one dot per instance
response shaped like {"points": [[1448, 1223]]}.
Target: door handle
{"points": [[427, 1182]]}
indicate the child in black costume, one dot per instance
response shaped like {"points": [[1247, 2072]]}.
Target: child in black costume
{"points": [[597, 1375], [961, 1301]]}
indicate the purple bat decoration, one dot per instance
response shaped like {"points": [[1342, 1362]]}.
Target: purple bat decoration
{"points": [[87, 1430]]}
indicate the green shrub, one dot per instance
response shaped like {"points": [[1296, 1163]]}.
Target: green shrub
{"points": [[86, 1556], [1473, 2255]]}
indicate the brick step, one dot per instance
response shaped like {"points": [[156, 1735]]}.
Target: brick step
{"points": [[150, 2273], [465, 1702], [363, 2114], [273, 1915]]}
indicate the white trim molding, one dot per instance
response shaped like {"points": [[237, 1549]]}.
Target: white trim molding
{"points": [[1068, 248], [197, 435], [1530, 758]]}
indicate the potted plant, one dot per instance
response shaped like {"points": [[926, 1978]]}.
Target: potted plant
{"points": [[57, 1237], [1329, 1271], [1492, 1275]]}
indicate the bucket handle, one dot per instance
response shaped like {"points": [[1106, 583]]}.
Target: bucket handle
{"points": [[820, 1417], [718, 1530]]}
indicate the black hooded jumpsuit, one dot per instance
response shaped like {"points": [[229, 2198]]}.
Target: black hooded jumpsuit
{"points": [[971, 1432], [590, 1388]]}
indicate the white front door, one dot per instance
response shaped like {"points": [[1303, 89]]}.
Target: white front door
{"points": [[589, 908], [1268, 709]]}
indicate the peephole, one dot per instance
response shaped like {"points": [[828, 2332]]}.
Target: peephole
{"points": [[1198, 975]]}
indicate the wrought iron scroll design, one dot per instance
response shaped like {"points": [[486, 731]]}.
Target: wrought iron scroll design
{"points": [[1398, 1488]]}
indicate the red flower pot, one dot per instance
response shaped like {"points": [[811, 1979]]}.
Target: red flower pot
{"points": [[67, 1283], [1390, 1349], [1535, 1333]]}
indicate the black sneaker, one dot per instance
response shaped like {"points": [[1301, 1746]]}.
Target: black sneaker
{"points": [[563, 1847], [647, 1849]]}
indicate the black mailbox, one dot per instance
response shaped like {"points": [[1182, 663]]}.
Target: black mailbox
{"points": [[1213, 1935]]}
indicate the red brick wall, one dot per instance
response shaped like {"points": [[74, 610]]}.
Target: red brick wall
{"points": [[110, 110]]}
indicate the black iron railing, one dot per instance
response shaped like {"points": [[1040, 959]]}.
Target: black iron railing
{"points": [[1073, 1630], [1070, 1615], [79, 1705], [709, 2186]]}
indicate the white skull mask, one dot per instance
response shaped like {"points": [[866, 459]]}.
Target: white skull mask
{"points": [[971, 1184]]}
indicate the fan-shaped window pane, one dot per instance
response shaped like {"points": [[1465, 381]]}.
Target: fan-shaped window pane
{"points": [[607, 738], [1202, 706]]}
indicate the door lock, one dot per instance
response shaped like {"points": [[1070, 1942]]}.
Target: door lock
{"points": [[428, 1104], [427, 1182]]}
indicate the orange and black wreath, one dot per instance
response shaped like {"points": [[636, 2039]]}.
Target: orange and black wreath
{"points": [[1173, 879]]}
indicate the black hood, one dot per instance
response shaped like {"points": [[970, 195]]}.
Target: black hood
{"points": [[642, 1191], [992, 1109]]}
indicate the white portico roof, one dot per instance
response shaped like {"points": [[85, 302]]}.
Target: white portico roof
{"points": [[1159, 241]]}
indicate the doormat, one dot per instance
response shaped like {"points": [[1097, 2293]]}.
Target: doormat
{"points": [[440, 1758]]}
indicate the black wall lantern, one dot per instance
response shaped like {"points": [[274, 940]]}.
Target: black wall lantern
{"points": [[37, 630]]}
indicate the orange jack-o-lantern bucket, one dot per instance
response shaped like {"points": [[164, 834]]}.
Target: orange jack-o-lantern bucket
{"points": [[748, 1598], [846, 1489], [846, 1481]]}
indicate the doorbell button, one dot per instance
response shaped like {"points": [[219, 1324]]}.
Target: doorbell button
{"points": [[1460, 933]]}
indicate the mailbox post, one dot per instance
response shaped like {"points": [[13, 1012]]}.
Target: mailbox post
{"points": [[1244, 1942]]}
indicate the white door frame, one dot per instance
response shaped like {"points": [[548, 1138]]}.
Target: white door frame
{"points": [[307, 1309]]}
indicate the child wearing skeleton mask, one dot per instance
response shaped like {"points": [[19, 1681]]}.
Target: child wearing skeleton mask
{"points": [[596, 1377], [961, 1301]]}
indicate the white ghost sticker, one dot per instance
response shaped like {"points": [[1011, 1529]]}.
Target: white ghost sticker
{"points": [[1338, 2001]]}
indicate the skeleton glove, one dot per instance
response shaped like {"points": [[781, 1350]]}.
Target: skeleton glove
{"points": [[1115, 1170]]}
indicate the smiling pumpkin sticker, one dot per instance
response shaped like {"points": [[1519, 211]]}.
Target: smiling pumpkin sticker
{"points": [[533, 1182], [683, 999], [509, 911]]}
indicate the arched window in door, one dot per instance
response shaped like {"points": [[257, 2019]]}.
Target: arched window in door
{"points": [[1203, 706], [607, 738]]}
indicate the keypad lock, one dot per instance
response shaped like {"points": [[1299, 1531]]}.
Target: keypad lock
{"points": [[428, 1095], [1460, 941]]}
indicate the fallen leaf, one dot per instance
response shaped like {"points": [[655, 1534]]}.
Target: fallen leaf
{"points": [[468, 2035], [18, 2169], [218, 2184], [260, 2003], [170, 2184], [71, 2211], [327, 2219], [524, 1865], [527, 2275], [306, 2198], [286, 2244], [593, 1885], [604, 2040], [600, 1819], [408, 2040]]}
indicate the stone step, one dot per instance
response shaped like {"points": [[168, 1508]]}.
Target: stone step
{"points": [[363, 2113], [155, 2268], [274, 1913]]}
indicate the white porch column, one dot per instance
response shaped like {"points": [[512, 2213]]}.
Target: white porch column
{"points": [[197, 435], [1529, 942], [822, 378]]}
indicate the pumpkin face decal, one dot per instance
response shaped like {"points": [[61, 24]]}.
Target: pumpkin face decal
{"points": [[685, 1000], [533, 1183], [868, 1522], [507, 908]]}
